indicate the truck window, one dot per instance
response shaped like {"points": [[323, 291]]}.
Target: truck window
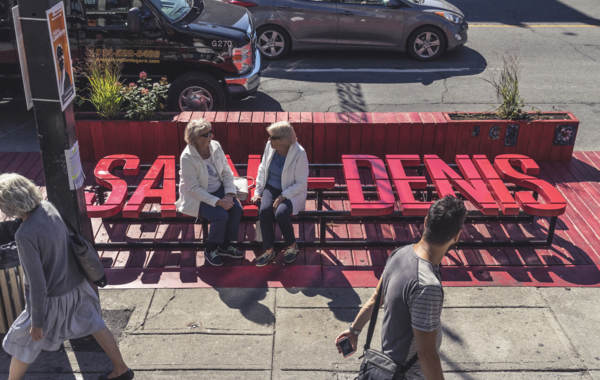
{"points": [[112, 15], [6, 27], [109, 13]]}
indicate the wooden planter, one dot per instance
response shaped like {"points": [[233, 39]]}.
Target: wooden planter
{"points": [[145, 139], [543, 140], [326, 136]]}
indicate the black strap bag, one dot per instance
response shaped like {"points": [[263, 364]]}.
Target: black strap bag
{"points": [[87, 257], [376, 365]]}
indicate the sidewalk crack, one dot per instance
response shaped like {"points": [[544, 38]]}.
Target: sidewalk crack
{"points": [[164, 306]]}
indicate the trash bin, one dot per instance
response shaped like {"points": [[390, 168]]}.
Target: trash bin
{"points": [[11, 286], [12, 296]]}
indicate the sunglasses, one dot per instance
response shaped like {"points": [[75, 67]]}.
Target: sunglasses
{"points": [[274, 137], [207, 134]]}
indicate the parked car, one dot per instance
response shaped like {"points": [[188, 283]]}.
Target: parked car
{"points": [[423, 28], [206, 48]]}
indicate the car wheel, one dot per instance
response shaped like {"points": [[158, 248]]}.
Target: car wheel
{"points": [[273, 42], [426, 44], [196, 92]]}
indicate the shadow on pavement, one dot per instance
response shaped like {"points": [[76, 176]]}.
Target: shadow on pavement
{"points": [[517, 12], [373, 67], [247, 302]]}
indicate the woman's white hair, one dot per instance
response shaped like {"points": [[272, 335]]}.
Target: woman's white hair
{"points": [[283, 129], [18, 195], [194, 129]]}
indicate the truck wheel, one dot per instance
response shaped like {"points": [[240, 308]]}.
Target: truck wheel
{"points": [[196, 92], [273, 42], [426, 43]]}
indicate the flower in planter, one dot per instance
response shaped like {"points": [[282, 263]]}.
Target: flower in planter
{"points": [[144, 98]]}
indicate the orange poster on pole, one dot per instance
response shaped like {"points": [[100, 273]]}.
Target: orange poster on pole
{"points": [[59, 40]]}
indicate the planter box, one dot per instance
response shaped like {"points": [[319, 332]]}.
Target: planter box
{"points": [[326, 136], [550, 139], [145, 139]]}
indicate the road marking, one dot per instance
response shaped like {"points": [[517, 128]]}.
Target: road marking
{"points": [[369, 70], [482, 25]]}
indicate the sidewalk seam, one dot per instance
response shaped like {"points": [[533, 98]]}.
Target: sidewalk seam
{"points": [[579, 357], [274, 331]]}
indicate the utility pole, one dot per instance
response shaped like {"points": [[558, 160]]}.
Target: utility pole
{"points": [[55, 127]]}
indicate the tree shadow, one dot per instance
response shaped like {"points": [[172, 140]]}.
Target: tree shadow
{"points": [[246, 300]]}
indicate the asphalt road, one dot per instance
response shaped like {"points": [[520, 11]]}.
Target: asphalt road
{"points": [[557, 44]]}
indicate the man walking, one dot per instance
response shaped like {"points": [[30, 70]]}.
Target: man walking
{"points": [[413, 295]]}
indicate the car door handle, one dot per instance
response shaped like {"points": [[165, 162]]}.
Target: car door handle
{"points": [[347, 13], [281, 8]]}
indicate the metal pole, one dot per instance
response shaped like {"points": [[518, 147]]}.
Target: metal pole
{"points": [[56, 129]]}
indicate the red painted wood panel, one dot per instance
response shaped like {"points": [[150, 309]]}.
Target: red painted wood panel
{"points": [[304, 132], [258, 135], [245, 131], [427, 144], [182, 120], [219, 126], [319, 145], [232, 145]]}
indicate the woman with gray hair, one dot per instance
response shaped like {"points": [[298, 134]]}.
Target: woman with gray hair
{"points": [[60, 303], [281, 187], [206, 190]]}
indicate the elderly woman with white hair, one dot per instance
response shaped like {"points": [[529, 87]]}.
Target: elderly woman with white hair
{"points": [[60, 303], [206, 190], [281, 187]]}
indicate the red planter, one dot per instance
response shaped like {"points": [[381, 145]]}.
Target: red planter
{"points": [[326, 136], [543, 140]]}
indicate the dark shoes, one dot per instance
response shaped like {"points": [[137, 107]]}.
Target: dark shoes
{"points": [[126, 376], [232, 252], [213, 258], [265, 258]]}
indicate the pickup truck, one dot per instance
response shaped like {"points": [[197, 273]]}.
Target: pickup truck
{"points": [[206, 48]]}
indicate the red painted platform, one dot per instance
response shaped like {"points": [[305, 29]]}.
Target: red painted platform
{"points": [[573, 260]]}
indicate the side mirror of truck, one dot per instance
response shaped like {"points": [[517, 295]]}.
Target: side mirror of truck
{"points": [[134, 20]]}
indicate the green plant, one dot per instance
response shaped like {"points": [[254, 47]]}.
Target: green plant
{"points": [[507, 90], [103, 74], [144, 98]]}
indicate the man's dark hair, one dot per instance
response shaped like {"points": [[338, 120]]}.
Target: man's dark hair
{"points": [[445, 219]]}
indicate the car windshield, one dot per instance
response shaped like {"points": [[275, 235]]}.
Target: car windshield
{"points": [[174, 9]]}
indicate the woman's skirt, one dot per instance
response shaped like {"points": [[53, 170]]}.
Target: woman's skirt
{"points": [[73, 315]]}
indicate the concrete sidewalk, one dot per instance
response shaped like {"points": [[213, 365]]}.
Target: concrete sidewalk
{"points": [[489, 333]]}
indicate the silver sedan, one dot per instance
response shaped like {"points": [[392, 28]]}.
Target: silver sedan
{"points": [[423, 28]]}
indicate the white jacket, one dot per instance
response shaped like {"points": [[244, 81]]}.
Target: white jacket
{"points": [[294, 178], [193, 178]]}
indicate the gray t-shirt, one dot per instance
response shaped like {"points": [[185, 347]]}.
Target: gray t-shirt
{"points": [[413, 298], [214, 181]]}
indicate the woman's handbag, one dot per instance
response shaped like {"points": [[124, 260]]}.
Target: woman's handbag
{"points": [[241, 187], [87, 257], [376, 365]]}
